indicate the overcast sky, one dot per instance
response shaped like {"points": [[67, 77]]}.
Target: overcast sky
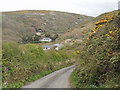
{"points": [[86, 7]]}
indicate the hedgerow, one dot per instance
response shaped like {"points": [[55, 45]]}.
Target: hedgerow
{"points": [[27, 62], [99, 60]]}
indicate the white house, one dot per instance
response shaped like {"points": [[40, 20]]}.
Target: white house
{"points": [[47, 47], [46, 40], [57, 46], [38, 33]]}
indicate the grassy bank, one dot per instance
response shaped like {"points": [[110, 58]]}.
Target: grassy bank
{"points": [[98, 63], [25, 63]]}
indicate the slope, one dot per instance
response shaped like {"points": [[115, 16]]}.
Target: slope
{"points": [[98, 62], [20, 23]]}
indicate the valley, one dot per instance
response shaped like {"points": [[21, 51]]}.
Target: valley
{"points": [[38, 43]]}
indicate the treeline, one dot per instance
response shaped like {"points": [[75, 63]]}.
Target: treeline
{"points": [[52, 36], [31, 39], [28, 62], [36, 38]]}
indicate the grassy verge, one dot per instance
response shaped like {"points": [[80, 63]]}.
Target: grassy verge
{"points": [[32, 78], [113, 82], [25, 63], [74, 80]]}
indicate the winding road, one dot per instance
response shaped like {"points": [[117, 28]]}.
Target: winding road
{"points": [[57, 79]]}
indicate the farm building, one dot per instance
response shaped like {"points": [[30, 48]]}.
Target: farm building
{"points": [[55, 46], [46, 40]]}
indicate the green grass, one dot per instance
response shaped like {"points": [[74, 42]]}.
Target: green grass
{"points": [[113, 83], [28, 62], [32, 78], [74, 79]]}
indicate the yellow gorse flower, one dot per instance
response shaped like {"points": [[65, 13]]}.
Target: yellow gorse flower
{"points": [[84, 32], [92, 30], [110, 32], [107, 50], [113, 33], [112, 17], [73, 40], [107, 35], [116, 30], [77, 52]]}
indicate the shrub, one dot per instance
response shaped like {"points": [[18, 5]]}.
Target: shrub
{"points": [[27, 62], [98, 62]]}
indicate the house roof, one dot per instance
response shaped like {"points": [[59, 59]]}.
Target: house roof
{"points": [[58, 45], [48, 46], [46, 38]]}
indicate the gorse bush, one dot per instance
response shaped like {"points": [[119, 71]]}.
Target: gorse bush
{"points": [[28, 62], [58, 56], [99, 60]]}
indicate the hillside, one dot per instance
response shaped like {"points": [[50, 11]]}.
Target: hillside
{"points": [[97, 64], [92, 44], [22, 23], [76, 38], [82, 32]]}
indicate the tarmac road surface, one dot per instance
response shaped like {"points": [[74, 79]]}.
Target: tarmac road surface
{"points": [[57, 79]]}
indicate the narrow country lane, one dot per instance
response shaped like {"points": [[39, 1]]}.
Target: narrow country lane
{"points": [[57, 79]]}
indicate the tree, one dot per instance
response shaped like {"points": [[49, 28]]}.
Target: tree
{"points": [[55, 37], [47, 34]]}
